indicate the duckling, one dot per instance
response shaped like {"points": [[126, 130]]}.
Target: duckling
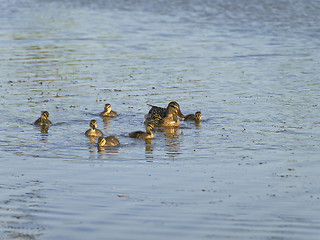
{"points": [[108, 112], [93, 131], [165, 117], [194, 117], [143, 135], [43, 120], [109, 141]]}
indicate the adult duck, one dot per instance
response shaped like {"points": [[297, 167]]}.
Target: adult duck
{"points": [[165, 117]]}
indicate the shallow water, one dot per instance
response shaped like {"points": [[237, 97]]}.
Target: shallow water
{"points": [[249, 171]]}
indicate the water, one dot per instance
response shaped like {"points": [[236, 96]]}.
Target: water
{"points": [[249, 171]]}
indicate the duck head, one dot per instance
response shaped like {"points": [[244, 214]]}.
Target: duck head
{"points": [[149, 127], [198, 116], [107, 108], [93, 124], [174, 109], [44, 115], [101, 141]]}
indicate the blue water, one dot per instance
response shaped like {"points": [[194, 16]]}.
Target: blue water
{"points": [[249, 171]]}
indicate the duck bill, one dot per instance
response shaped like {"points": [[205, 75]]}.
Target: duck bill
{"points": [[180, 115]]}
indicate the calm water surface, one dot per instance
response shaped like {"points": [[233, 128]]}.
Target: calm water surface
{"points": [[251, 169]]}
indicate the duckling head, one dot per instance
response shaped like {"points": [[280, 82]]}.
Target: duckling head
{"points": [[44, 115], [149, 127], [101, 141], [174, 108], [93, 124], [107, 108], [198, 116]]}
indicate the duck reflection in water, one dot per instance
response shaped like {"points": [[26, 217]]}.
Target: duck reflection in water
{"points": [[44, 129], [149, 150], [169, 132], [173, 142], [107, 149], [107, 122], [172, 148]]}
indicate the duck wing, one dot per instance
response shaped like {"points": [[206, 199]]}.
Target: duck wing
{"points": [[157, 111]]}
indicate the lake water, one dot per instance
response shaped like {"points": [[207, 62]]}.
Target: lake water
{"points": [[251, 170]]}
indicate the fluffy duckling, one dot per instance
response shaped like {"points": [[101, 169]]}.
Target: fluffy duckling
{"points": [[143, 135], [107, 112], [43, 120], [194, 117], [93, 131], [165, 117], [109, 141]]}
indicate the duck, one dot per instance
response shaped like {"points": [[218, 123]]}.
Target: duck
{"points": [[44, 119], [93, 131], [194, 117], [109, 141], [107, 112], [143, 135], [165, 117]]}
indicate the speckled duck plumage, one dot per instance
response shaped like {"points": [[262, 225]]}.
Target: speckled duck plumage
{"points": [[159, 116]]}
